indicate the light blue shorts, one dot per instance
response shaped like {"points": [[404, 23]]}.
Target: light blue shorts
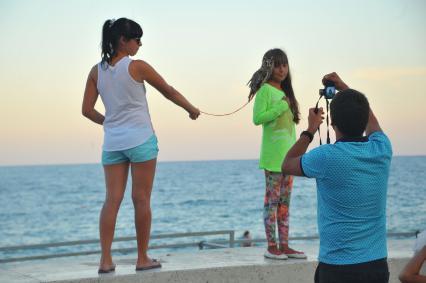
{"points": [[144, 152]]}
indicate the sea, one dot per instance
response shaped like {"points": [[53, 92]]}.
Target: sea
{"points": [[56, 203]]}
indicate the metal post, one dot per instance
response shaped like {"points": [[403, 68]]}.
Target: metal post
{"points": [[231, 238]]}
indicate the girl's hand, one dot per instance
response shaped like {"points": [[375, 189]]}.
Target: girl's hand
{"points": [[286, 99]]}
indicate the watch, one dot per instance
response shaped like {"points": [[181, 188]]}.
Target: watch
{"points": [[308, 134]]}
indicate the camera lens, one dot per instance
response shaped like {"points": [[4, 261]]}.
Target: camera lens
{"points": [[329, 92]]}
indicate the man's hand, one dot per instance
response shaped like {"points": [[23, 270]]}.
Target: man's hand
{"points": [[315, 119], [334, 77], [291, 164]]}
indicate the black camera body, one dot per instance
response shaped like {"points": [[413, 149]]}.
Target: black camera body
{"points": [[329, 90]]}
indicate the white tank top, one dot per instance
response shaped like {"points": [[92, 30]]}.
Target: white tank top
{"points": [[127, 121]]}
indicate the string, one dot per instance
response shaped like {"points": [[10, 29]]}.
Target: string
{"points": [[316, 111], [226, 114]]}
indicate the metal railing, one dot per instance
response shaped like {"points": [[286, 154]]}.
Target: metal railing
{"points": [[231, 242], [221, 244]]}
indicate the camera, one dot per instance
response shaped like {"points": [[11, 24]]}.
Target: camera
{"points": [[328, 91]]}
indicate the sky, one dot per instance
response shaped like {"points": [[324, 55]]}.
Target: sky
{"points": [[207, 50]]}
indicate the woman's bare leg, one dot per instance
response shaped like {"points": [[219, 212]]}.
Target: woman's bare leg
{"points": [[115, 180], [142, 180]]}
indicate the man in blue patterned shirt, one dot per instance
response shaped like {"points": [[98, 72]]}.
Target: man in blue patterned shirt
{"points": [[352, 179]]}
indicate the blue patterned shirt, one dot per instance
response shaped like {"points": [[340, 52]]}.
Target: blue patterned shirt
{"points": [[351, 177]]}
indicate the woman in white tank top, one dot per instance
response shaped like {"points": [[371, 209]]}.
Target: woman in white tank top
{"points": [[129, 138]]}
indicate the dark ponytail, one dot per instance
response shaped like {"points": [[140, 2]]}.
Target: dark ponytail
{"points": [[107, 47], [112, 31]]}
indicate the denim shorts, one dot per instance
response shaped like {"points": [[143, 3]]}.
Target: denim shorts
{"points": [[144, 152]]}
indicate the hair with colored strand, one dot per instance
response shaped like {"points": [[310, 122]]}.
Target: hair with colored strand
{"points": [[112, 31], [349, 111], [274, 58]]}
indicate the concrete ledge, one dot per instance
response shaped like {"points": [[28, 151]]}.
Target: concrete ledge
{"points": [[213, 266], [286, 273]]}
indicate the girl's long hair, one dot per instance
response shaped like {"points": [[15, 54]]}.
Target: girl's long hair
{"points": [[112, 30], [273, 58]]}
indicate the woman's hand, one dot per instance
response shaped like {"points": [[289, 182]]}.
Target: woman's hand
{"points": [[194, 113]]}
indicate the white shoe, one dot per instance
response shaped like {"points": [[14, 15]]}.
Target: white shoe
{"points": [[292, 253], [298, 256], [272, 255]]}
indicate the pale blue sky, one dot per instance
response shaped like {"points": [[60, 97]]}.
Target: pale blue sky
{"points": [[208, 51]]}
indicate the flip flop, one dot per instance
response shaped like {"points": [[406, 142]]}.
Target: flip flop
{"points": [[103, 271], [156, 264]]}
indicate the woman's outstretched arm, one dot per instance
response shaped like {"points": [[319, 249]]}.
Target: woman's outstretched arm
{"points": [[148, 73]]}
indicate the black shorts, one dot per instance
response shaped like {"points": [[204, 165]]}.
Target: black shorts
{"points": [[367, 272]]}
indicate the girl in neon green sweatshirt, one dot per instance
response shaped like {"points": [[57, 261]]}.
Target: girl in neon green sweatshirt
{"points": [[277, 110]]}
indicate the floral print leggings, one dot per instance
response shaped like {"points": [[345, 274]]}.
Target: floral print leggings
{"points": [[276, 206]]}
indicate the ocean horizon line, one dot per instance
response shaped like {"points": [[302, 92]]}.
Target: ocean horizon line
{"points": [[164, 161]]}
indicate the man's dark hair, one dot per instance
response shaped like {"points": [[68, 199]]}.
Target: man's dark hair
{"points": [[349, 112]]}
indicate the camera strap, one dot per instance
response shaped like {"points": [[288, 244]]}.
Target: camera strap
{"points": [[328, 129], [316, 111]]}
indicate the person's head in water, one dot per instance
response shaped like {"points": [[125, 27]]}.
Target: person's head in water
{"points": [[275, 67], [349, 111], [247, 240], [120, 35]]}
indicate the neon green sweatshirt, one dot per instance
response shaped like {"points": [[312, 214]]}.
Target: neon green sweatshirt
{"points": [[279, 130]]}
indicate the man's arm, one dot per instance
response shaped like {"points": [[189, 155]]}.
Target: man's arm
{"points": [[291, 164], [373, 123]]}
